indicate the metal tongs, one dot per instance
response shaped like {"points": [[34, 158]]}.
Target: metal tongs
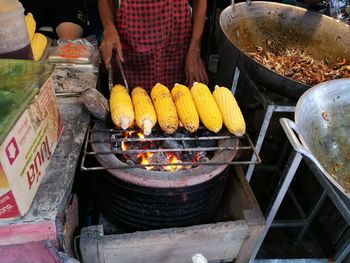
{"points": [[110, 75]]}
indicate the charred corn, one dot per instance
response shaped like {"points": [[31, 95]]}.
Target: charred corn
{"points": [[230, 111], [31, 25], [165, 108], [38, 44], [145, 114], [121, 107], [207, 108], [185, 107]]}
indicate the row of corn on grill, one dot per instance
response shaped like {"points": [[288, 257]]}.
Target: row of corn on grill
{"points": [[189, 106], [38, 41]]}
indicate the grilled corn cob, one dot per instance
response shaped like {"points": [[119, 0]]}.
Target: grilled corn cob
{"points": [[186, 109], [38, 44], [207, 108], [145, 114], [165, 108], [230, 111], [121, 108], [31, 26]]}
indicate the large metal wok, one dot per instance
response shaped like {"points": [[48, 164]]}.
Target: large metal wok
{"points": [[322, 122], [248, 26]]}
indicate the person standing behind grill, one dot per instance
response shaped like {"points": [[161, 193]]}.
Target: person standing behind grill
{"points": [[155, 40]]}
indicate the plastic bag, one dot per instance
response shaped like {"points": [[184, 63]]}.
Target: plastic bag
{"points": [[75, 51], [81, 54]]}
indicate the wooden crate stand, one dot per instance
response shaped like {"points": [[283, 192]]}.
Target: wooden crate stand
{"points": [[232, 238]]}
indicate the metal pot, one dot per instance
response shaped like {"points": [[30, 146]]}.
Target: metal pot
{"points": [[322, 123], [248, 26]]}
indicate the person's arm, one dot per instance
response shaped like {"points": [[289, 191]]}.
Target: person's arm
{"points": [[195, 70], [111, 40]]}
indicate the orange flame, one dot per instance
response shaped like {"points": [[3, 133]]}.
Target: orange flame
{"points": [[172, 159], [146, 156], [144, 159], [123, 145]]}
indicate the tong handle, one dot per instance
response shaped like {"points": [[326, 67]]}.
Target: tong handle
{"points": [[110, 73], [122, 73], [110, 77]]}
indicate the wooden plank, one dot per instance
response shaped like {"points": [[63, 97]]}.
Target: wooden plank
{"points": [[249, 243], [71, 225], [224, 241], [253, 217], [221, 241], [89, 247], [241, 196]]}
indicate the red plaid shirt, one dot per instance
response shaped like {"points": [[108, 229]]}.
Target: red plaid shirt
{"points": [[155, 36]]}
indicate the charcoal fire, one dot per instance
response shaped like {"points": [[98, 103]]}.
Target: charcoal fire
{"points": [[145, 150]]}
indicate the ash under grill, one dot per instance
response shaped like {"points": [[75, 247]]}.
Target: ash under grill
{"points": [[135, 198]]}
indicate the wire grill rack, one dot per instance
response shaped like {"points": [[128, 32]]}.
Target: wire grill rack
{"points": [[244, 144]]}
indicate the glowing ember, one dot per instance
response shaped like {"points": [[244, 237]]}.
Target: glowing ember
{"points": [[171, 158]]}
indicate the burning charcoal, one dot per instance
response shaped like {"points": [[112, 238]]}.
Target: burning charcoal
{"points": [[188, 144], [129, 159], [188, 156], [181, 134], [185, 134], [206, 143], [201, 157], [172, 144], [158, 157]]}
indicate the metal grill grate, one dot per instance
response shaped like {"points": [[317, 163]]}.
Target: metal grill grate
{"points": [[245, 144]]}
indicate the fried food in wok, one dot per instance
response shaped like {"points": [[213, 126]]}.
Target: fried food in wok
{"points": [[301, 67]]}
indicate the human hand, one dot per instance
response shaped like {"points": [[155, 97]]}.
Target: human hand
{"points": [[110, 42], [194, 68]]}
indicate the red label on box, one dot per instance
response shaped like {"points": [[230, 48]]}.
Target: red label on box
{"points": [[12, 150], [8, 206]]}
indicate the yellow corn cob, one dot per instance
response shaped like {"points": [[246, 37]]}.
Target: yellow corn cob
{"points": [[31, 25], [230, 111], [165, 108], [186, 109], [38, 45], [207, 108], [145, 114], [121, 108]]}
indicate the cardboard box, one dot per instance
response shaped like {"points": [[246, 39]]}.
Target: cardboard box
{"points": [[26, 152]]}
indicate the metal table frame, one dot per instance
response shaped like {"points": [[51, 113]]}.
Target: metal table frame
{"points": [[339, 200], [286, 178]]}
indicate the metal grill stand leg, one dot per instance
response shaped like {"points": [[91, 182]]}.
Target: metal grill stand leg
{"points": [[266, 122], [284, 183]]}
